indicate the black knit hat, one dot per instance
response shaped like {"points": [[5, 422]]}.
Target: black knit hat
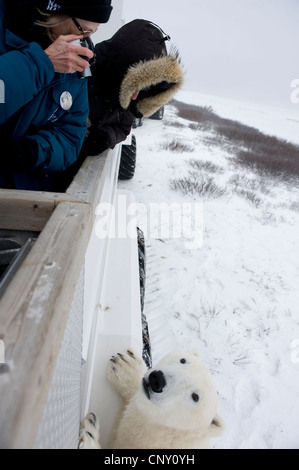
{"points": [[97, 11]]}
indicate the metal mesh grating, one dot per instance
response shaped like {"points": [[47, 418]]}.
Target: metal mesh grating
{"points": [[59, 426]]}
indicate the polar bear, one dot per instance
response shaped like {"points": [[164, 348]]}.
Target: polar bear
{"points": [[171, 406]]}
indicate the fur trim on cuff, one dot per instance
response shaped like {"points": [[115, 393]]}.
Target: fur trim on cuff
{"points": [[166, 68]]}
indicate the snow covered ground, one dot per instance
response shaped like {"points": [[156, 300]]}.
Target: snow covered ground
{"points": [[234, 298]]}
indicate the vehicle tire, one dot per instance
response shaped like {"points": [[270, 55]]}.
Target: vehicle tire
{"points": [[137, 122], [128, 160], [146, 352], [158, 115]]}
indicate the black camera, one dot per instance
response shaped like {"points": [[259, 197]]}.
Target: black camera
{"points": [[85, 42]]}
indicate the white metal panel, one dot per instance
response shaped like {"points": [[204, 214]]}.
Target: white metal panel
{"points": [[119, 322]]}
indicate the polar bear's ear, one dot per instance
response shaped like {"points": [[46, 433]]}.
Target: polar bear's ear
{"points": [[217, 427]]}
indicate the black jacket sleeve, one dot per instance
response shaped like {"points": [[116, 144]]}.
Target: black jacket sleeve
{"points": [[107, 133], [19, 155]]}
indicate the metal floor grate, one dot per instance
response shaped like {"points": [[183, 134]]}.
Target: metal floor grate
{"points": [[14, 247]]}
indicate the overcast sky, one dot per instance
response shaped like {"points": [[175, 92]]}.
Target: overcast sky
{"points": [[243, 49]]}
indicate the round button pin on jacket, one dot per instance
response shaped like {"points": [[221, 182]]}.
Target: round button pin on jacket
{"points": [[66, 100]]}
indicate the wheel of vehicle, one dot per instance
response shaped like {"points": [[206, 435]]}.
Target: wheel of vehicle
{"points": [[146, 353], [137, 122], [158, 115], [128, 160]]}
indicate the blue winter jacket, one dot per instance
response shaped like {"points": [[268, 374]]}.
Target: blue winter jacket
{"points": [[30, 107]]}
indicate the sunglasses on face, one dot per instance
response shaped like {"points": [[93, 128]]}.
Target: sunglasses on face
{"points": [[82, 31]]}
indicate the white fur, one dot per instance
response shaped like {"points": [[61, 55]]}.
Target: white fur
{"points": [[89, 437], [170, 419]]}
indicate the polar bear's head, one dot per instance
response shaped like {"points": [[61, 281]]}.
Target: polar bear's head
{"points": [[179, 393]]}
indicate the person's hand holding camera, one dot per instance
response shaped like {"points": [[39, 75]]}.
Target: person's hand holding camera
{"points": [[67, 57]]}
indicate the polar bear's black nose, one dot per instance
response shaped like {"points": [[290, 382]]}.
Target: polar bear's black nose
{"points": [[157, 381]]}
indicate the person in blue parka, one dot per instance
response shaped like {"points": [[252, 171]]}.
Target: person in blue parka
{"points": [[44, 103]]}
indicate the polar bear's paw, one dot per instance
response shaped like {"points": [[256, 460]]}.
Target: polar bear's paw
{"points": [[125, 372], [89, 437]]}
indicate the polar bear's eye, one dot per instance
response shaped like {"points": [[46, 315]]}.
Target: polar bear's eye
{"points": [[195, 397], [183, 361]]}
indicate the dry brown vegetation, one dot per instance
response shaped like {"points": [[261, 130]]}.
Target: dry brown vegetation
{"points": [[176, 146], [258, 162], [261, 153]]}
